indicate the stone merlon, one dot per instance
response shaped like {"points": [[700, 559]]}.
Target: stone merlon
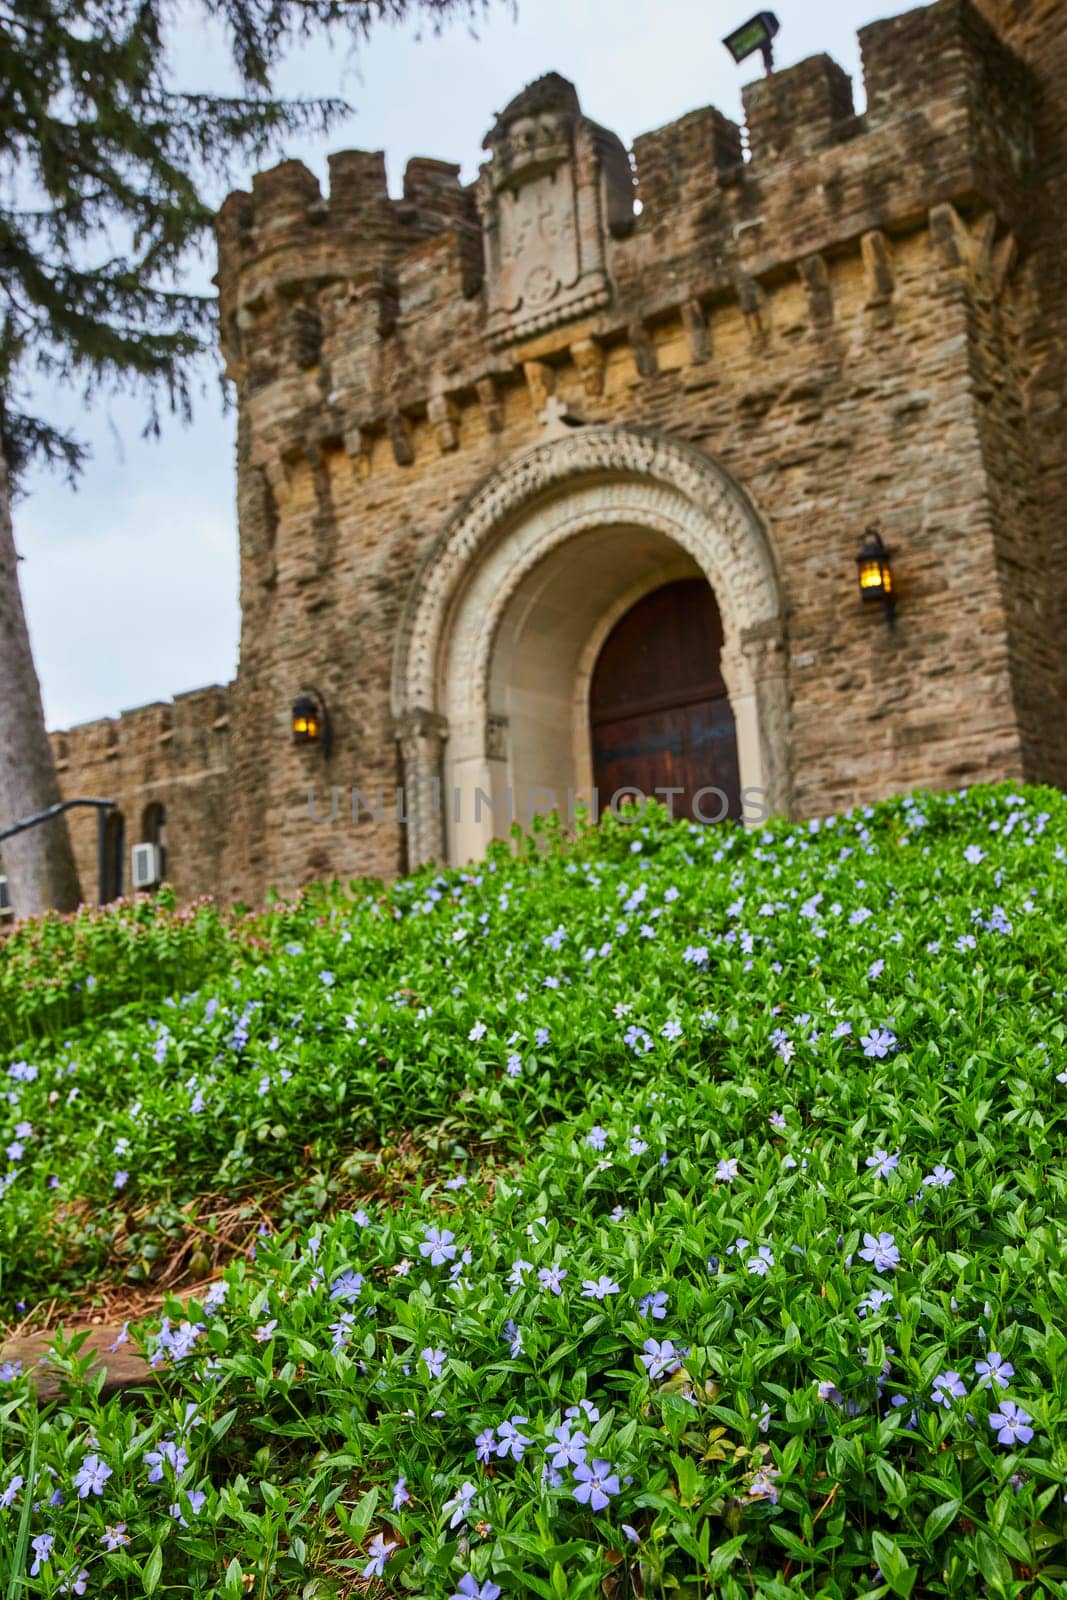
{"points": [[946, 121]]}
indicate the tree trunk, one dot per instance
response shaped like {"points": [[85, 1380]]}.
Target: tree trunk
{"points": [[39, 863]]}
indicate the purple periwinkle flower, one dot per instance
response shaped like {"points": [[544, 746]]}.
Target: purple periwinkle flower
{"points": [[763, 1486], [438, 1246], [511, 1441], [470, 1589], [460, 1504], [342, 1331], [195, 1499], [881, 1251], [995, 1369], [948, 1386], [42, 1551], [168, 1454], [653, 1305], [348, 1286], [940, 1178], [1011, 1424], [435, 1360], [551, 1278], [595, 1483], [875, 1301], [567, 1449], [379, 1550], [91, 1476], [882, 1163], [584, 1409], [879, 1042], [600, 1289], [660, 1357], [7, 1498]]}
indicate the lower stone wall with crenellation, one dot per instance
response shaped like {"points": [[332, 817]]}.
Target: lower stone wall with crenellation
{"points": [[173, 754]]}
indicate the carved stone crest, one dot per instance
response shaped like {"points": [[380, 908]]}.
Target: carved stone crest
{"points": [[555, 186]]}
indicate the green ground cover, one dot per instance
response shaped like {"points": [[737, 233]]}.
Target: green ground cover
{"points": [[671, 1213]]}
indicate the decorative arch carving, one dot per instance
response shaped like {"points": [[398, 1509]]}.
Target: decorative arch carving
{"points": [[516, 517]]}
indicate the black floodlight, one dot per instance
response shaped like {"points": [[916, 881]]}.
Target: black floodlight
{"points": [[755, 34]]}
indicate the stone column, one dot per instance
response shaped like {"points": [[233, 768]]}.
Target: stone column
{"points": [[764, 651], [421, 735]]}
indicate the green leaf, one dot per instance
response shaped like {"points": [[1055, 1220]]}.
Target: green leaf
{"points": [[723, 1556], [893, 1564], [892, 1482], [361, 1517], [233, 1583], [153, 1570], [992, 1563], [939, 1519]]}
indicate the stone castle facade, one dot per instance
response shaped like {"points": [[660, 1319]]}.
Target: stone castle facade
{"points": [[480, 425]]}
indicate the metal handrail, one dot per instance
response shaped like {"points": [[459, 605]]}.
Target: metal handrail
{"points": [[102, 808]]}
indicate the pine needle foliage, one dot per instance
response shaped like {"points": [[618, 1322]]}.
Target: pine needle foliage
{"points": [[105, 168]]}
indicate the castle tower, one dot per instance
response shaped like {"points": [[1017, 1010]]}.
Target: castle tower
{"points": [[498, 441], [543, 490]]}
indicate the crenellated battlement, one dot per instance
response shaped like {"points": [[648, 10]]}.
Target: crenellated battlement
{"points": [[357, 314], [188, 731]]}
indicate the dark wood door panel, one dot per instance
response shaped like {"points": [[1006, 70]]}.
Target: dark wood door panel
{"points": [[658, 706], [664, 651]]}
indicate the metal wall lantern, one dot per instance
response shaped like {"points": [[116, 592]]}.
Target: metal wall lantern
{"points": [[875, 570], [755, 34], [310, 720]]}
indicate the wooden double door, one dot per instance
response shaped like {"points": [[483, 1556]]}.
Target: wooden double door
{"points": [[659, 710]]}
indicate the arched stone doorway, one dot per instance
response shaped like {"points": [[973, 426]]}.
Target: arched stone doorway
{"points": [[506, 620], [660, 718]]}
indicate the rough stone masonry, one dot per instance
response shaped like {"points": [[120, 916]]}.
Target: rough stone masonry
{"points": [[477, 423]]}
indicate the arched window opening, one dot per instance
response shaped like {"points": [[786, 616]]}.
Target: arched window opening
{"points": [[112, 877], [153, 824]]}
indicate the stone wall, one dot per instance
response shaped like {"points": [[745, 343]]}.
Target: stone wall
{"points": [[172, 753], [858, 318], [1024, 394]]}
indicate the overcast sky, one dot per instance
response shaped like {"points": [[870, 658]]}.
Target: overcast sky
{"points": [[131, 580]]}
